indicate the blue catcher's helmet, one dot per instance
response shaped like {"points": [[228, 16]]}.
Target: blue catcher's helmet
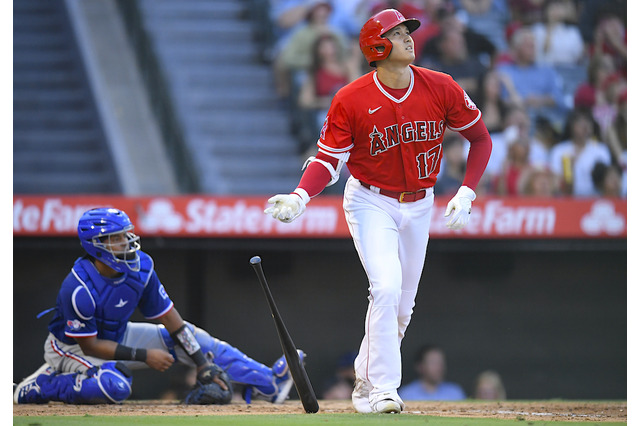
{"points": [[97, 229]]}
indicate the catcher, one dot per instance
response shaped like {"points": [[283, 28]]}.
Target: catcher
{"points": [[92, 346]]}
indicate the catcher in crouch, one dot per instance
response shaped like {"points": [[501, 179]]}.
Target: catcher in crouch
{"points": [[92, 346]]}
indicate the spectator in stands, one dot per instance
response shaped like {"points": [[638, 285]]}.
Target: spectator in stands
{"points": [[489, 386], [454, 164], [454, 59], [430, 364], [287, 16], [331, 68], [478, 45], [616, 139], [557, 41], [487, 17], [605, 109], [340, 386], [517, 130], [611, 38], [295, 57], [490, 102], [537, 181], [526, 12], [350, 15], [599, 68], [544, 137], [607, 180], [517, 163], [530, 85], [573, 160], [591, 11]]}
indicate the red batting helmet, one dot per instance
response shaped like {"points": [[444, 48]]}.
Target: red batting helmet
{"points": [[372, 30]]}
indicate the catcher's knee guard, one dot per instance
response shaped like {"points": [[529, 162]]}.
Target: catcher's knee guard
{"points": [[110, 384]]}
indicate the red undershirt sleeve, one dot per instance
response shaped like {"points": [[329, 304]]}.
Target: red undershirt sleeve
{"points": [[479, 153], [316, 176]]}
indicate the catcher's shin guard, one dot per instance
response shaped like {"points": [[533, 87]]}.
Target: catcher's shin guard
{"points": [[242, 369], [110, 384], [238, 366]]}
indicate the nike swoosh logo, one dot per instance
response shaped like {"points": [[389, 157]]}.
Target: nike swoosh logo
{"points": [[121, 303], [371, 111]]}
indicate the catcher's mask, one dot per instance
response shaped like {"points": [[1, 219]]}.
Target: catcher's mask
{"points": [[105, 233], [373, 45]]}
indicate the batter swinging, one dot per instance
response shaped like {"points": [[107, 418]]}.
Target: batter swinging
{"points": [[387, 127]]}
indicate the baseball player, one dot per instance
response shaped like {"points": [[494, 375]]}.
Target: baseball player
{"points": [[92, 346], [387, 127]]}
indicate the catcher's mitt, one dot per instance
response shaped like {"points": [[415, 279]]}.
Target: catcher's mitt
{"points": [[206, 391]]}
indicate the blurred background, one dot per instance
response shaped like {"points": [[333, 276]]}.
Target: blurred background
{"points": [[225, 98]]}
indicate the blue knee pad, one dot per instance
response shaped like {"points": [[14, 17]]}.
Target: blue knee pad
{"points": [[239, 367], [110, 384]]}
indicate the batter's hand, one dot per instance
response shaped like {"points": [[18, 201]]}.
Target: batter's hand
{"points": [[459, 208], [286, 207], [159, 359]]}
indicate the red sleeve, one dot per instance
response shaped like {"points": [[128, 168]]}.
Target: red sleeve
{"points": [[316, 176], [479, 153]]}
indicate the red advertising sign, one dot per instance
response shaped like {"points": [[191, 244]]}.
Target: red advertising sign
{"points": [[243, 217]]}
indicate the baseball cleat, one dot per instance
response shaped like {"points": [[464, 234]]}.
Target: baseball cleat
{"points": [[387, 402], [28, 391], [360, 396], [284, 381], [387, 406]]}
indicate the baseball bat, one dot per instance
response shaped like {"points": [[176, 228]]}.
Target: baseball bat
{"points": [[298, 373]]}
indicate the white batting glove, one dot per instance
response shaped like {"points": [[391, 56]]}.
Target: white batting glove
{"points": [[459, 208], [287, 207]]}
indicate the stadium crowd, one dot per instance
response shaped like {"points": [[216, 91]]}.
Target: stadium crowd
{"points": [[548, 75]]}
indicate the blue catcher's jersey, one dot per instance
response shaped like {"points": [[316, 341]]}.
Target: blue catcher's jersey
{"points": [[90, 304]]}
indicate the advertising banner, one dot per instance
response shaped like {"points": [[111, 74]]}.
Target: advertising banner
{"points": [[243, 217]]}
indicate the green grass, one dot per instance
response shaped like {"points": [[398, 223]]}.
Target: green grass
{"points": [[288, 419]]}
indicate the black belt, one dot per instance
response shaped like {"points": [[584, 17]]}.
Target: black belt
{"points": [[403, 197]]}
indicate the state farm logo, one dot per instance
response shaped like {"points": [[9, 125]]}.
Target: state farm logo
{"points": [[229, 217], [160, 216], [603, 218]]}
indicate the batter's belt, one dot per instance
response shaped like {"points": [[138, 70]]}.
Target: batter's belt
{"points": [[402, 197]]}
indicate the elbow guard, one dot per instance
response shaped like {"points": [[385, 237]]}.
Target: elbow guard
{"points": [[333, 171]]}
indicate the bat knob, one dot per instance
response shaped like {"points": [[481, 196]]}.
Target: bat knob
{"points": [[255, 260]]}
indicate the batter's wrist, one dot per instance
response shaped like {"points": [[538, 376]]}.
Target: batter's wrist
{"points": [[303, 194]]}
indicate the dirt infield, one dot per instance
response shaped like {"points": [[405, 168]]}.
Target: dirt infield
{"points": [[541, 410]]}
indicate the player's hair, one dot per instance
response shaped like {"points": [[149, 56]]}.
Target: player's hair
{"points": [[424, 349]]}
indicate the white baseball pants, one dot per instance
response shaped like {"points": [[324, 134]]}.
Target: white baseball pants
{"points": [[391, 240]]}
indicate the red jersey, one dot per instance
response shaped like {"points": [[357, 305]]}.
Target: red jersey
{"points": [[396, 144]]}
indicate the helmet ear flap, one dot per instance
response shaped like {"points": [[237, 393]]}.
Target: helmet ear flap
{"points": [[377, 51]]}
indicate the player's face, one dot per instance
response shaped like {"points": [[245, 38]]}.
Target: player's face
{"points": [[402, 42], [433, 366], [121, 245]]}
